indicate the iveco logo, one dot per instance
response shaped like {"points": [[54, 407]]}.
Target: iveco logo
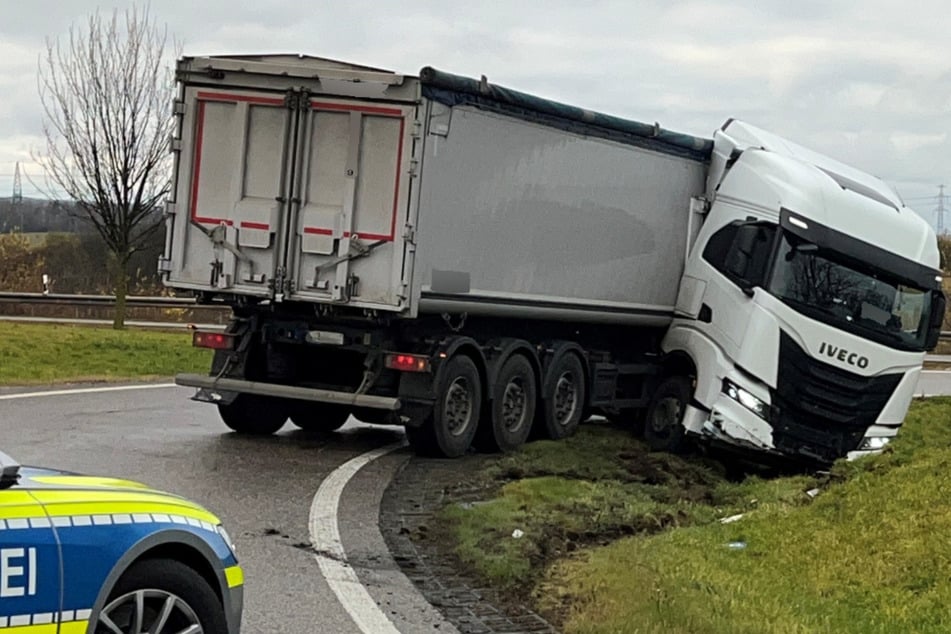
{"points": [[842, 354]]}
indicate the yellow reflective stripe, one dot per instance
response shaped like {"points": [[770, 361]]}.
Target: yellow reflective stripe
{"points": [[89, 481], [19, 504], [15, 497], [57, 496], [21, 512], [74, 627], [63, 503], [235, 576]]}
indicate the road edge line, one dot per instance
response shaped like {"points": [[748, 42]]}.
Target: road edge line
{"points": [[85, 390], [329, 550]]}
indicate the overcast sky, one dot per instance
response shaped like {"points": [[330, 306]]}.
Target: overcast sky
{"points": [[867, 82]]}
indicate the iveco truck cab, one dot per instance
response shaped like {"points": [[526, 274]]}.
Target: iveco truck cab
{"points": [[807, 303]]}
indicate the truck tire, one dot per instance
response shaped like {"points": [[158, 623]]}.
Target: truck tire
{"points": [[512, 411], [563, 403], [253, 415], [315, 416], [663, 428], [450, 428], [137, 601]]}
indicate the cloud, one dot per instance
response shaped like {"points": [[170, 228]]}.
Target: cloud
{"points": [[867, 83]]}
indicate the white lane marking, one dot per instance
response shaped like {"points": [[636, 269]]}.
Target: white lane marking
{"points": [[86, 390], [331, 556]]}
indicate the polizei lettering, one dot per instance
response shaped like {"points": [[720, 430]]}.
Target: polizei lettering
{"points": [[17, 572], [852, 358]]}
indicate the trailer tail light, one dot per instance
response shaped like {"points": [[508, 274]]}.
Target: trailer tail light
{"points": [[407, 362], [213, 340]]}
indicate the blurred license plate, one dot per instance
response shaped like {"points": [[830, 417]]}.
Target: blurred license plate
{"points": [[325, 336]]}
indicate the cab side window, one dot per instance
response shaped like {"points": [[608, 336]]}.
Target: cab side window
{"points": [[741, 251]]}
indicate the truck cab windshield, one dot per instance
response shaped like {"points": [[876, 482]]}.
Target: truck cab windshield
{"points": [[849, 296]]}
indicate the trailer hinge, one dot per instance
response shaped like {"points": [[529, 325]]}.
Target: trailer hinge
{"points": [[297, 99], [178, 107], [409, 234], [353, 286], [278, 284], [417, 129], [174, 144], [171, 208], [164, 265], [413, 168], [699, 205]]}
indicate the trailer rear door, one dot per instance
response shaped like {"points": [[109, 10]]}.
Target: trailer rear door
{"points": [[231, 178], [352, 183]]}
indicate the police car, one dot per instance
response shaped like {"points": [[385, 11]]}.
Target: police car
{"points": [[81, 554]]}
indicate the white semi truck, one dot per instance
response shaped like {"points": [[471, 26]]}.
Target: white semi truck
{"points": [[477, 264]]}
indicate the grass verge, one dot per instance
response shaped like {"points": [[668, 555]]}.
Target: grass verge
{"points": [[619, 540], [41, 354]]}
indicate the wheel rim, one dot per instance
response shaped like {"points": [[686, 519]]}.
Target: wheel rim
{"points": [[666, 416], [149, 612], [458, 406], [566, 398], [514, 405]]}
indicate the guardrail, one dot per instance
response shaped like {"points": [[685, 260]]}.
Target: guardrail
{"points": [[94, 309], [98, 300]]}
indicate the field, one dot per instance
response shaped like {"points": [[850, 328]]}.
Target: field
{"points": [[602, 536], [44, 354]]}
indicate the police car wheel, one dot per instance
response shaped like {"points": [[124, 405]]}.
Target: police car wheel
{"points": [[162, 596]]}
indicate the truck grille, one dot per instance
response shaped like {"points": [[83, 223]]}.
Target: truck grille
{"points": [[820, 410]]}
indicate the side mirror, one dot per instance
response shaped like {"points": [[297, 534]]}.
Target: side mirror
{"points": [[936, 321], [9, 471]]}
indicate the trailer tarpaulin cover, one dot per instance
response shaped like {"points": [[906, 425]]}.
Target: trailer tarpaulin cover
{"points": [[453, 90]]}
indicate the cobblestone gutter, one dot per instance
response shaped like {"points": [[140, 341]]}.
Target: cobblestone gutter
{"points": [[417, 492]]}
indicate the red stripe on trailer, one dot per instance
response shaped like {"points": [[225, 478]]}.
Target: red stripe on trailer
{"points": [[322, 231], [263, 226]]}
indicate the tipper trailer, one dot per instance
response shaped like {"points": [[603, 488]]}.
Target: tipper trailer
{"points": [[475, 264]]}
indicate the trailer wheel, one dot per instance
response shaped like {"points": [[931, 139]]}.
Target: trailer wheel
{"points": [[253, 414], [564, 399], [663, 429], [319, 417], [514, 396], [449, 430]]}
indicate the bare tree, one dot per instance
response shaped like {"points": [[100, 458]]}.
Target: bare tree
{"points": [[106, 89]]}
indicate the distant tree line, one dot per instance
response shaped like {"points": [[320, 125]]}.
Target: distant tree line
{"points": [[31, 215], [74, 263], [944, 248]]}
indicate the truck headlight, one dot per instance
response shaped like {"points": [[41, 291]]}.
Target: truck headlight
{"points": [[746, 399], [874, 443]]}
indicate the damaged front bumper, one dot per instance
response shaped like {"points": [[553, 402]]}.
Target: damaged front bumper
{"points": [[742, 420]]}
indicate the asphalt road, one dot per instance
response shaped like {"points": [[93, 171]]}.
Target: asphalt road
{"points": [[262, 488]]}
